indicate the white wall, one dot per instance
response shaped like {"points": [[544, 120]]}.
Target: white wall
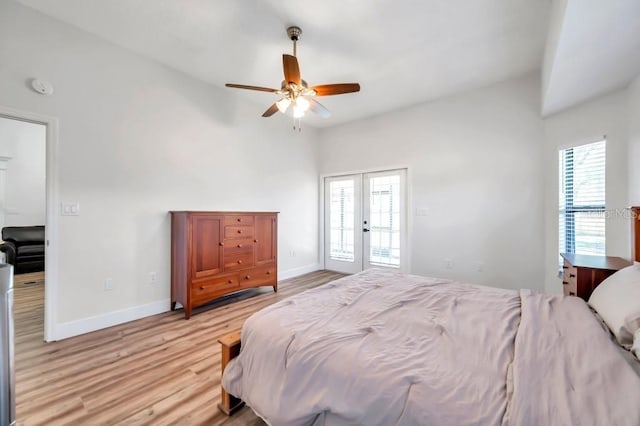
{"points": [[589, 122], [634, 142], [475, 162], [24, 184], [137, 139]]}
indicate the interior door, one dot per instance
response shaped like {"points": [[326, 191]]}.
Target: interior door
{"points": [[365, 221], [343, 217]]}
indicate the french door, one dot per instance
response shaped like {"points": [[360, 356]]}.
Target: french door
{"points": [[365, 221]]}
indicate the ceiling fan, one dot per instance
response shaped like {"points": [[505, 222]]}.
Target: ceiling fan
{"points": [[296, 93]]}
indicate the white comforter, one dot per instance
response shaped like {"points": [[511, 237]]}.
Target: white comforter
{"points": [[380, 348]]}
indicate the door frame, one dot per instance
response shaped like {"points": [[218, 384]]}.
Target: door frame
{"points": [[51, 213], [405, 266]]}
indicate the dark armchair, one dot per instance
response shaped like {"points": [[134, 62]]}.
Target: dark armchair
{"points": [[24, 248]]}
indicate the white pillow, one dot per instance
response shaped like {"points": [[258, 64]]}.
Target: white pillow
{"points": [[617, 301], [636, 344]]}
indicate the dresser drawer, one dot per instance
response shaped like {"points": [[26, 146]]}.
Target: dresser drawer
{"points": [[571, 288], [238, 261], [240, 231], [238, 246], [241, 219], [205, 290], [258, 276]]}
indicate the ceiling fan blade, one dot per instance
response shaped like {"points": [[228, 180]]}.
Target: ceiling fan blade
{"points": [[270, 111], [242, 86], [291, 69], [318, 108], [335, 89]]}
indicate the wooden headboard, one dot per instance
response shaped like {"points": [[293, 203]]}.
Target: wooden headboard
{"points": [[635, 217]]}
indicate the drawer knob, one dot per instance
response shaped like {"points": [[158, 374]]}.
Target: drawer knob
{"points": [[239, 261], [239, 245], [230, 281], [201, 287], [572, 275], [247, 277], [239, 220], [268, 272], [565, 283], [239, 231], [255, 241], [221, 243]]}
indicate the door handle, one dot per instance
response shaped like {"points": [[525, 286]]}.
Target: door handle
{"points": [[365, 229]]}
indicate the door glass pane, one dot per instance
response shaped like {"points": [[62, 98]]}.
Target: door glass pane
{"points": [[384, 215], [342, 220]]}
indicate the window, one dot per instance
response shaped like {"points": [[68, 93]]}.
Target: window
{"points": [[582, 199]]}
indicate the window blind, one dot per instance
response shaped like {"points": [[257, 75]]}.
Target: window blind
{"points": [[582, 199], [384, 214], [341, 212]]}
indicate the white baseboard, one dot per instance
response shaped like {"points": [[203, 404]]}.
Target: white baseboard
{"points": [[291, 273], [98, 322]]}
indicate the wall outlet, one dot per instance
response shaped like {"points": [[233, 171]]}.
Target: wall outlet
{"points": [[108, 284], [153, 278], [292, 253], [479, 266], [448, 263]]}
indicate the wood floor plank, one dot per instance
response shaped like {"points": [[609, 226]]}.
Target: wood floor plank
{"points": [[160, 370]]}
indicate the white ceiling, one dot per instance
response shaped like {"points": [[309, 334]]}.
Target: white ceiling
{"points": [[401, 52], [594, 48]]}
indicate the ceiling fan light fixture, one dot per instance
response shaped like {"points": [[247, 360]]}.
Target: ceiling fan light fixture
{"points": [[283, 104], [302, 103], [298, 111]]}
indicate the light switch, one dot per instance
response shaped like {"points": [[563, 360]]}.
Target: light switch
{"points": [[70, 209], [422, 211]]}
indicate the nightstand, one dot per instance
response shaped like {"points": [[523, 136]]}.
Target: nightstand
{"points": [[582, 273]]}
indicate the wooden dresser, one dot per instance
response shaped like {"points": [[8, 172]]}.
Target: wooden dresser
{"points": [[583, 273], [217, 253]]}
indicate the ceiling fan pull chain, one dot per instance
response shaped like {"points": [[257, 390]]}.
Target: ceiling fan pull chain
{"points": [[297, 124]]}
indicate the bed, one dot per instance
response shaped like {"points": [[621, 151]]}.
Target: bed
{"points": [[382, 348]]}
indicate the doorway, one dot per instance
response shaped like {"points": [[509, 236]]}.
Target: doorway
{"points": [[22, 219], [365, 222], [47, 127]]}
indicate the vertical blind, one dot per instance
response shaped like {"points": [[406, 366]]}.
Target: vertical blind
{"points": [[582, 199], [384, 213], [342, 220]]}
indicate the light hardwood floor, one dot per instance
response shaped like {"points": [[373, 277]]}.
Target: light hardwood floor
{"points": [[159, 370]]}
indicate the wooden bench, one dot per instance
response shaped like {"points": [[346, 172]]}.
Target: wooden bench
{"points": [[229, 404]]}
